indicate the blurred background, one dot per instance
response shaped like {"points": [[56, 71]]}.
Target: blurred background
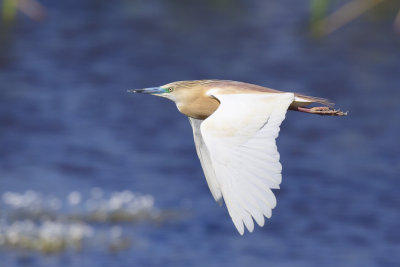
{"points": [[93, 176]]}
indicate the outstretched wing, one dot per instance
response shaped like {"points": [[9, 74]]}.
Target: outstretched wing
{"points": [[242, 161]]}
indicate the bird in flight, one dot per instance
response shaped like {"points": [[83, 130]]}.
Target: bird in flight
{"points": [[235, 125]]}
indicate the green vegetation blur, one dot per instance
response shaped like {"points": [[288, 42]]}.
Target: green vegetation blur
{"points": [[326, 16]]}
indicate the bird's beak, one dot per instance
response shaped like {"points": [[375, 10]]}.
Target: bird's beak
{"points": [[151, 90]]}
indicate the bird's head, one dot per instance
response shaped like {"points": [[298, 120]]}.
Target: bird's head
{"points": [[189, 96], [180, 92]]}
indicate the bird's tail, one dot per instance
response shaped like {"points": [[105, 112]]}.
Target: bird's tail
{"points": [[304, 100]]}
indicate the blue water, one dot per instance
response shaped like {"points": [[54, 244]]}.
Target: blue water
{"points": [[69, 130]]}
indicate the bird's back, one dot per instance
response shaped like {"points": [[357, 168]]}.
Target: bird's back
{"points": [[232, 87]]}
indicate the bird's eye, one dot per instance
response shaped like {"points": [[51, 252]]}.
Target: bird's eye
{"points": [[170, 89]]}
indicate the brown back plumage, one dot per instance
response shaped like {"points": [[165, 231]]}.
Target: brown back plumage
{"points": [[192, 99]]}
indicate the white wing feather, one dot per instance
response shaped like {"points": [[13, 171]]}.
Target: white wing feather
{"points": [[239, 156], [204, 156]]}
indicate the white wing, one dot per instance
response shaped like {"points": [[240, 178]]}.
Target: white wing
{"points": [[240, 138], [205, 160]]}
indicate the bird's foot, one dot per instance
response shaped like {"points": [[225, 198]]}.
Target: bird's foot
{"points": [[322, 111]]}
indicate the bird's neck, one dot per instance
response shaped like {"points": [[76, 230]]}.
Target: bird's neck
{"points": [[198, 108]]}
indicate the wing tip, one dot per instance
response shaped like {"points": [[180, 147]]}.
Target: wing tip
{"points": [[239, 226], [250, 228]]}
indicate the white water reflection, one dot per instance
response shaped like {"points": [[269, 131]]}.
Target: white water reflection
{"points": [[46, 236], [31, 200], [115, 206], [33, 221]]}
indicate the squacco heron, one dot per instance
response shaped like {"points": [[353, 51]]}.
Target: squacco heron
{"points": [[235, 125]]}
